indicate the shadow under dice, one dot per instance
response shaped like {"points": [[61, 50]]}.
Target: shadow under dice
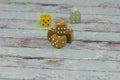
{"points": [[58, 41]]}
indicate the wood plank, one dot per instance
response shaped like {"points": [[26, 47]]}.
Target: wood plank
{"points": [[87, 27], [106, 3], [43, 74], [44, 44], [82, 54], [60, 64], [35, 16], [89, 36], [40, 74], [59, 9]]}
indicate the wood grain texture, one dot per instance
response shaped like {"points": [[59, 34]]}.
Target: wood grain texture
{"points": [[43, 43], [91, 36], [106, 3], [35, 16], [65, 53], [25, 53], [45, 74], [98, 10]]}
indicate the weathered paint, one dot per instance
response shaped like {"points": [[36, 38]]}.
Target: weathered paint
{"points": [[26, 54]]}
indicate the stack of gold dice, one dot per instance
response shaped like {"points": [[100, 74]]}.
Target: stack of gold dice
{"points": [[60, 35]]}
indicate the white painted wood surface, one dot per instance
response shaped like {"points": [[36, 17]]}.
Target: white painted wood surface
{"points": [[25, 53]]}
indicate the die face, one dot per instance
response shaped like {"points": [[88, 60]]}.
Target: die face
{"points": [[58, 41], [61, 30], [75, 17], [45, 21], [50, 33], [61, 27]]}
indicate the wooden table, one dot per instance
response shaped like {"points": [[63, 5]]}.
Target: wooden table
{"points": [[26, 54]]}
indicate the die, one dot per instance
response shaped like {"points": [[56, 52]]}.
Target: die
{"points": [[69, 35], [61, 27], [45, 21], [75, 16], [60, 35], [50, 33], [58, 41]]}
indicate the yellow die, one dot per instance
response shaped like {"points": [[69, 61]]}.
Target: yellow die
{"points": [[45, 21]]}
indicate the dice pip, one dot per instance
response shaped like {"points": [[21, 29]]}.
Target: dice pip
{"points": [[45, 21], [75, 16]]}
